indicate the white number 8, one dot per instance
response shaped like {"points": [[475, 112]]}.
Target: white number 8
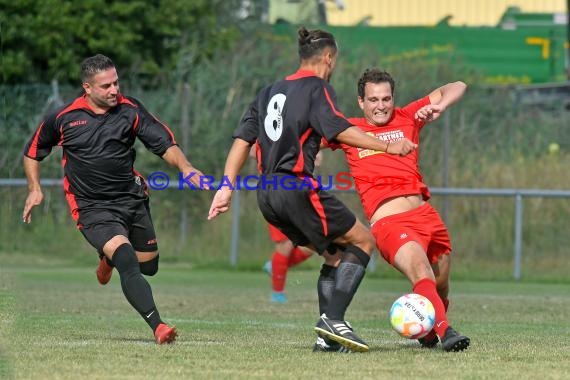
{"points": [[274, 120]]}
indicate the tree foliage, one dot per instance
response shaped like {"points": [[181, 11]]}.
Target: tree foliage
{"points": [[41, 40]]}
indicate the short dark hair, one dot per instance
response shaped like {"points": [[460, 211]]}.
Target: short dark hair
{"points": [[374, 76], [93, 65], [312, 42]]}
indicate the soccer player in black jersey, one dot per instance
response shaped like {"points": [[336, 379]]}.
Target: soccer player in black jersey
{"points": [[287, 121], [107, 197]]}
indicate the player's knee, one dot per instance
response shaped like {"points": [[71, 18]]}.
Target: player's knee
{"points": [[284, 247], [366, 242], [149, 268], [356, 255], [328, 271], [125, 259]]}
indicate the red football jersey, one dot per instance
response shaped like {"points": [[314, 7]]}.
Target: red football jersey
{"points": [[379, 176]]}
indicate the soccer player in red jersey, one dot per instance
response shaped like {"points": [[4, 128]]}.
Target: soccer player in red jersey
{"points": [[287, 121], [107, 197], [409, 232]]}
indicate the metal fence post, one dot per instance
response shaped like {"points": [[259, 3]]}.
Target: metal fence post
{"points": [[518, 235], [235, 228]]}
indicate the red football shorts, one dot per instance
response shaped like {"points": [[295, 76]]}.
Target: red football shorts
{"points": [[275, 234], [422, 225]]}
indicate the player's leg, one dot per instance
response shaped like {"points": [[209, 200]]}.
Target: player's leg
{"points": [[285, 256], [104, 270], [441, 270], [411, 260], [298, 255], [314, 217], [325, 288], [135, 288], [279, 269], [452, 341], [327, 279], [143, 239], [148, 262], [439, 254], [358, 246]]}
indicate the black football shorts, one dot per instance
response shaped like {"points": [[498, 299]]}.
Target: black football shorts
{"points": [[305, 215], [99, 224]]}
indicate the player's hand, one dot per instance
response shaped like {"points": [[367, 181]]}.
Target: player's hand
{"points": [[401, 147], [429, 113], [221, 203], [34, 198], [195, 178]]}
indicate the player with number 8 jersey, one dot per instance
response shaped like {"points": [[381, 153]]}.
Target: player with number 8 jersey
{"points": [[287, 121]]}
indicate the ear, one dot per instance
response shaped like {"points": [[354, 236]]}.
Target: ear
{"points": [[361, 103], [329, 57], [87, 87]]}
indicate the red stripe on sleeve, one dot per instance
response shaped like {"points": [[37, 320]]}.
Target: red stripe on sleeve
{"points": [[329, 100], [165, 127], [33, 151]]}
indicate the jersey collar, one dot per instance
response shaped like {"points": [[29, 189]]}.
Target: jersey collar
{"points": [[301, 74]]}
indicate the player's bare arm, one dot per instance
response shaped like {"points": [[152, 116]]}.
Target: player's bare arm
{"points": [[35, 194], [440, 99], [237, 156], [355, 137], [175, 157]]}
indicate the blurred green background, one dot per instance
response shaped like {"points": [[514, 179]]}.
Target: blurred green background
{"points": [[196, 65]]}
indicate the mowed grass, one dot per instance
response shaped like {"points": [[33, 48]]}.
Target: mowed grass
{"points": [[57, 322]]}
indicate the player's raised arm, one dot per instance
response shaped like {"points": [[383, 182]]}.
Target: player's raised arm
{"points": [[355, 137], [440, 99], [175, 157]]}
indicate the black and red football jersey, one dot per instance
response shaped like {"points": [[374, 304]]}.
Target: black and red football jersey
{"points": [[98, 153], [288, 119]]}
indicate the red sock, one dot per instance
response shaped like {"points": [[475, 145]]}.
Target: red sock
{"points": [[426, 287], [297, 256], [279, 266]]}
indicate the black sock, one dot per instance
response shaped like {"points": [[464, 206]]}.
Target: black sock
{"points": [[349, 274], [325, 287], [109, 262], [136, 289]]}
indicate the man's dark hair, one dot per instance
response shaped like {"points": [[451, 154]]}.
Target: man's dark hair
{"points": [[374, 76], [93, 65], [312, 42]]}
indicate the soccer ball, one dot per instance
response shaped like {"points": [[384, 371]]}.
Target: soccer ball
{"points": [[412, 316]]}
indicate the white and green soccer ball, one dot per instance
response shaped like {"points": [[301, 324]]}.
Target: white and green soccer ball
{"points": [[412, 316]]}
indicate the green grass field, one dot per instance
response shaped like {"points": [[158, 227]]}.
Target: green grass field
{"points": [[57, 322]]}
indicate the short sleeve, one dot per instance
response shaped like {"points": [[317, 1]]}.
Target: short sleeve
{"points": [[248, 128], [155, 135], [46, 136], [325, 117]]}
